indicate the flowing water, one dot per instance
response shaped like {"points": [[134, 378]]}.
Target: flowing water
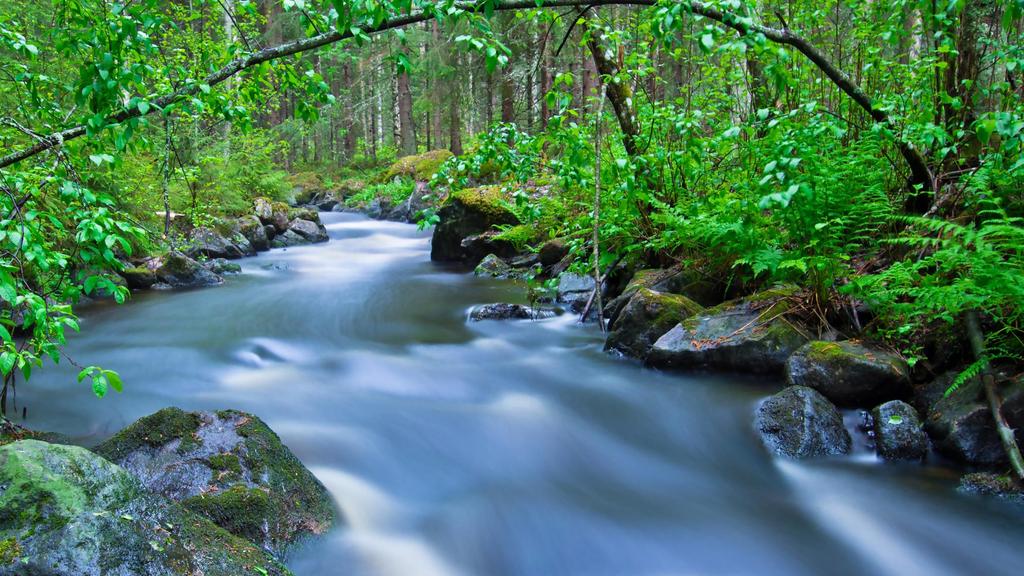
{"points": [[515, 448]]}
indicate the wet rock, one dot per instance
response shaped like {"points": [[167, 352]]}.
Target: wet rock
{"points": [[503, 311], [139, 277], [209, 243], [230, 467], [468, 213], [253, 230], [898, 432], [526, 261], [327, 205], [575, 290], [645, 318], [288, 239], [494, 267], [176, 270], [849, 373], [270, 232], [747, 335], [222, 266], [378, 208], [798, 422], [65, 511], [308, 229], [961, 425], [991, 484], [264, 210]]}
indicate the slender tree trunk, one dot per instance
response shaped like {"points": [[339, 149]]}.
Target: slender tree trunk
{"points": [[407, 134]]}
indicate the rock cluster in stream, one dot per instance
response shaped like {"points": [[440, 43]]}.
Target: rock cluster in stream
{"points": [[175, 493], [202, 259]]}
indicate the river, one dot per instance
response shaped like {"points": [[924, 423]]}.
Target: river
{"points": [[503, 448]]}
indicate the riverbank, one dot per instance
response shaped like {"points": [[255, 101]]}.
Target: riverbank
{"points": [[455, 447]]}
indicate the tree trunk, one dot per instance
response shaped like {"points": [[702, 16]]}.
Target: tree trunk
{"points": [[407, 134]]}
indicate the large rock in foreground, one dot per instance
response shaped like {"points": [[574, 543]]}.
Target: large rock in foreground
{"points": [[798, 422], [468, 213], [747, 335], [645, 318], [230, 467], [849, 373], [64, 511]]}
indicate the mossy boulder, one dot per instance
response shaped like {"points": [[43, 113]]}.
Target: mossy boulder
{"points": [[465, 217], [751, 334], [961, 425], [420, 167], [306, 186], [177, 270], [138, 277], [798, 422], [849, 373], [494, 267], [271, 213], [253, 230], [899, 434], [645, 318], [992, 484], [505, 311], [231, 468], [677, 280], [65, 511]]}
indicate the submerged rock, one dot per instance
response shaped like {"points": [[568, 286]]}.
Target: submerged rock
{"points": [[898, 432], [798, 422], [645, 318], [467, 213], [504, 311], [222, 266], [991, 484], [849, 373], [749, 335], [65, 511], [230, 467], [176, 270]]}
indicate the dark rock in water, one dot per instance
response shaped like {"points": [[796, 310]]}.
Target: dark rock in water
{"points": [[798, 422], [575, 290], [253, 230], [65, 511], [222, 266], [961, 425], [646, 317], [503, 311], [176, 270], [270, 232], [287, 239], [139, 277], [230, 467], [748, 335], [212, 244], [526, 261], [378, 208], [468, 213], [476, 247], [495, 267], [327, 205], [552, 252], [308, 229], [991, 484], [409, 210], [849, 373], [898, 432]]}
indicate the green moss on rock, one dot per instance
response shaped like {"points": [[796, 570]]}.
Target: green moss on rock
{"points": [[10, 551], [420, 167], [240, 510], [154, 430]]}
